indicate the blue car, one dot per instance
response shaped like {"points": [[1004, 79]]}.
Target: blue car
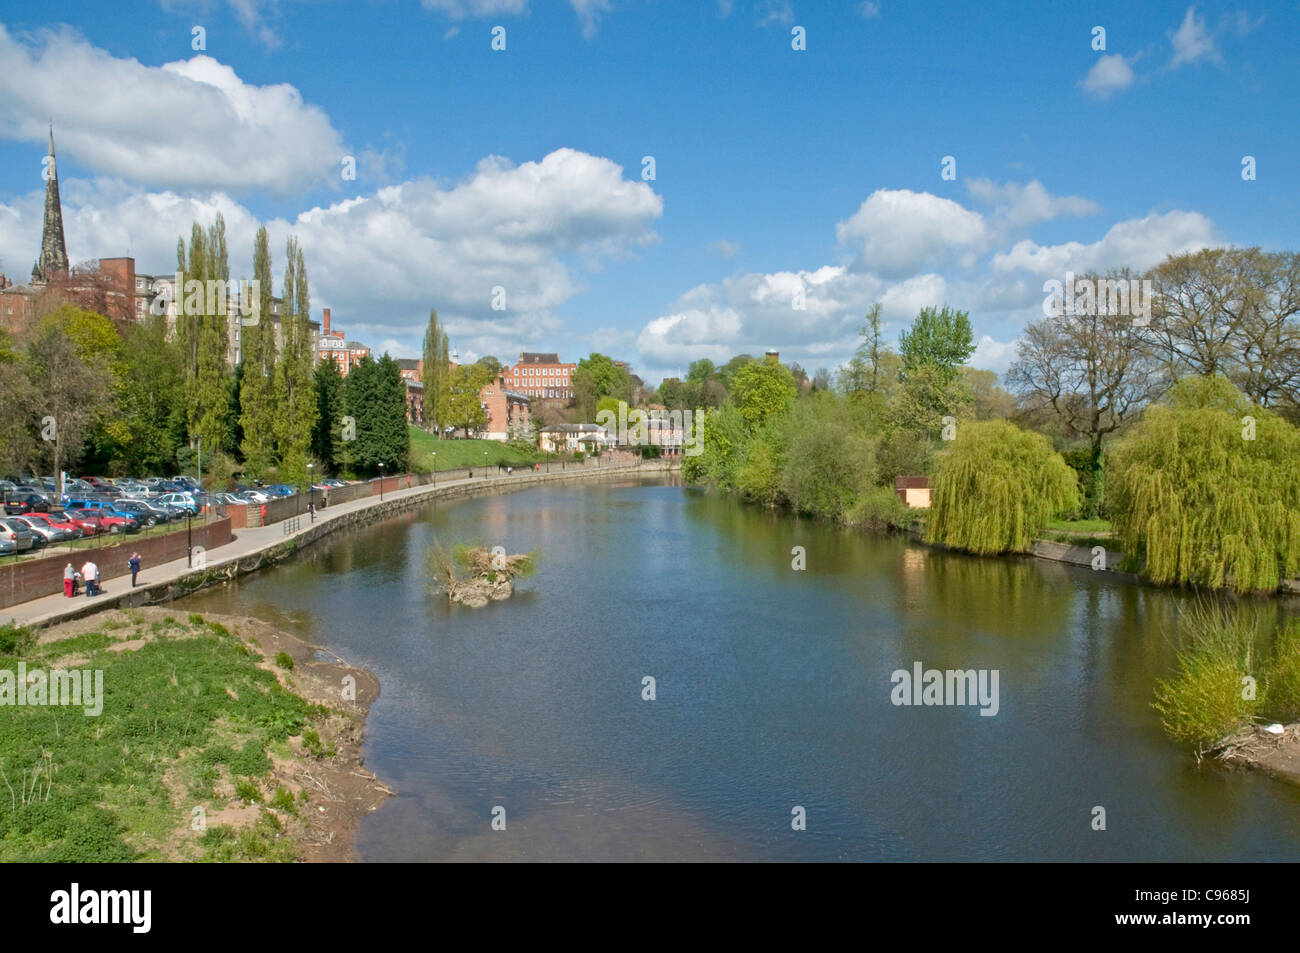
{"points": [[280, 489]]}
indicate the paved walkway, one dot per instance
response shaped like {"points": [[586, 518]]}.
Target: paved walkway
{"points": [[54, 608]]}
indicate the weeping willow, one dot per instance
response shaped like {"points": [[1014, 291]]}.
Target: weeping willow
{"points": [[1206, 490], [995, 488]]}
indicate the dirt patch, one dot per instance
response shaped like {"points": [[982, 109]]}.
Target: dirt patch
{"points": [[1256, 748], [339, 791]]}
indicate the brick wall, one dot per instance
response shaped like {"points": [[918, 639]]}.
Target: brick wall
{"points": [[21, 580]]}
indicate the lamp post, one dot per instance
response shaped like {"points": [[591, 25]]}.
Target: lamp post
{"points": [[381, 483], [435, 467], [189, 541], [485, 473], [311, 489]]}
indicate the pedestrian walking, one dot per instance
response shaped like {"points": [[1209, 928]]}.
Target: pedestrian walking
{"points": [[69, 580], [134, 563], [90, 573]]}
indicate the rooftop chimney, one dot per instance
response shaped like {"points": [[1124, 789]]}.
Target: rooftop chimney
{"points": [[325, 323]]}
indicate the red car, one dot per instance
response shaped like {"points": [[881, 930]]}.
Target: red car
{"points": [[56, 522], [87, 521], [112, 522]]}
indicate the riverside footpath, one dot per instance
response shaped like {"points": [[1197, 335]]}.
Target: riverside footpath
{"points": [[256, 547]]}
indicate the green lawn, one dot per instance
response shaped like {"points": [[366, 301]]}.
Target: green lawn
{"points": [[1081, 532], [181, 719], [458, 454]]}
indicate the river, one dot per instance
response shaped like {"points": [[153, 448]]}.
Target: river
{"points": [[772, 692]]}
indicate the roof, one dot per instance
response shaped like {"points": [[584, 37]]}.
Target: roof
{"points": [[408, 363], [537, 357], [573, 428]]}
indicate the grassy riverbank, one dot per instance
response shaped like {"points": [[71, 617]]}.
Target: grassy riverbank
{"points": [[459, 454], [213, 743]]}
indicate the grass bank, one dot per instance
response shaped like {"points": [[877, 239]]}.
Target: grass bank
{"points": [[459, 454], [218, 740]]}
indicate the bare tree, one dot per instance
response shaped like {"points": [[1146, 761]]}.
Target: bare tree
{"points": [[1089, 367]]}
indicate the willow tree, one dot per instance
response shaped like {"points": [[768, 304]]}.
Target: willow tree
{"points": [[1206, 490], [996, 487]]}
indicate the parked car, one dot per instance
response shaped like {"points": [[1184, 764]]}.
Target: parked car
{"points": [[42, 533], [16, 504], [232, 498], [183, 500], [280, 489], [63, 526], [144, 513], [256, 496], [15, 537], [333, 482], [86, 520], [110, 521]]}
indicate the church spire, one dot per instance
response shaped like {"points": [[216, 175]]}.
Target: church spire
{"points": [[53, 260]]}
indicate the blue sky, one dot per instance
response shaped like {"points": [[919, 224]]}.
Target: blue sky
{"points": [[778, 172]]}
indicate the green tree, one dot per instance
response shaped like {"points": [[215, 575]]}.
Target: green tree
{"points": [[435, 372], [595, 377], [257, 383], [462, 406], [762, 389], [996, 487], [1205, 490], [326, 431], [375, 398], [294, 395], [152, 403], [938, 339]]}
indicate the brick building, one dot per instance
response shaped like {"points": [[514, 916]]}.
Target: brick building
{"points": [[540, 375], [506, 408], [332, 345]]}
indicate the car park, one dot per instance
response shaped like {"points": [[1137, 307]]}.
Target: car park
{"points": [[15, 537], [256, 496], [280, 489], [109, 520]]}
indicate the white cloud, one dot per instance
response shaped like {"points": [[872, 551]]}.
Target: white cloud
{"points": [[991, 355], [869, 9], [589, 13], [197, 109], [725, 8], [1192, 41], [459, 9], [1108, 75], [725, 248], [381, 260], [902, 231], [1021, 205], [774, 11], [1137, 243], [255, 16]]}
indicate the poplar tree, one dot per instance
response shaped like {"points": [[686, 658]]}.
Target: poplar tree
{"points": [[212, 385], [295, 396], [257, 391], [435, 372]]}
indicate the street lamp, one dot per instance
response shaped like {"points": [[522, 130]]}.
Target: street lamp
{"points": [[311, 489], [435, 467], [485, 472], [381, 483]]}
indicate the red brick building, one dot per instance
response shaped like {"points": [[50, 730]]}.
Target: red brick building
{"points": [[542, 376]]}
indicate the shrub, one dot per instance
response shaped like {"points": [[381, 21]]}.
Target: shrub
{"points": [[1205, 702], [282, 800], [284, 660], [15, 639], [246, 789], [881, 507], [251, 760], [1283, 676]]}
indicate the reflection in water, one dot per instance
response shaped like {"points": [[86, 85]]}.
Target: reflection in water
{"points": [[772, 691]]}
